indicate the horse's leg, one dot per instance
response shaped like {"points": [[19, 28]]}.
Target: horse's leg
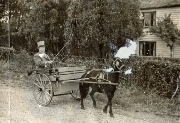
{"points": [[105, 108], [92, 97], [84, 89], [110, 96], [82, 104], [110, 108]]}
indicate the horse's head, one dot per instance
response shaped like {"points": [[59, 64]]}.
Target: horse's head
{"points": [[118, 64]]}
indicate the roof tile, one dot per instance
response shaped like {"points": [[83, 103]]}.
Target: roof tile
{"points": [[158, 3]]}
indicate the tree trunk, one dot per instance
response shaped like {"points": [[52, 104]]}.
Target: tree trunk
{"points": [[171, 51]]}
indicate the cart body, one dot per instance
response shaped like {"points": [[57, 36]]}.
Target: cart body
{"points": [[56, 81], [67, 79]]}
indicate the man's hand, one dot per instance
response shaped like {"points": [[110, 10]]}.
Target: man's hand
{"points": [[50, 62]]}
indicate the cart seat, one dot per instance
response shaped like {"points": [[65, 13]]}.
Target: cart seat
{"points": [[69, 73]]}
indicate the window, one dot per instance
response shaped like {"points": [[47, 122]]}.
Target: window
{"points": [[149, 19], [147, 48], [2, 1]]}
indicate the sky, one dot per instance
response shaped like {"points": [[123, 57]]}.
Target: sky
{"points": [[126, 51]]}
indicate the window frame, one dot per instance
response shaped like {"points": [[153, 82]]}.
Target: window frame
{"points": [[142, 52], [152, 18]]}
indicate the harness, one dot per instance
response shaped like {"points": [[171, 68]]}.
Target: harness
{"points": [[101, 78]]}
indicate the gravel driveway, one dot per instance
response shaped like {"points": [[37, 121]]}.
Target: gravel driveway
{"points": [[17, 105]]}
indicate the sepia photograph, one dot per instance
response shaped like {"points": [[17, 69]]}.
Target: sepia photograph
{"points": [[89, 61]]}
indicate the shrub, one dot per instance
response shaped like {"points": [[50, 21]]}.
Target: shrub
{"points": [[19, 62], [157, 74]]}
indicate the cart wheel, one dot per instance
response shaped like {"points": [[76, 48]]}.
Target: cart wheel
{"points": [[31, 79], [42, 89], [76, 94]]}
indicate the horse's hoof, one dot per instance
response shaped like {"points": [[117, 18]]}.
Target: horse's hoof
{"points": [[112, 115], [82, 108], [105, 110]]}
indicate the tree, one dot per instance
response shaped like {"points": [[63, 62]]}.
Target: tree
{"points": [[168, 32], [2, 32], [44, 20], [2, 6], [11, 20], [32, 20], [93, 24]]}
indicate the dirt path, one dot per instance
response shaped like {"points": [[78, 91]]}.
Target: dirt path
{"points": [[17, 105]]}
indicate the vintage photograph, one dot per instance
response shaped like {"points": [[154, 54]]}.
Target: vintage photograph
{"points": [[89, 61]]}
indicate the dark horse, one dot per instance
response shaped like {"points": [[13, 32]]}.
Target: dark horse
{"points": [[99, 76]]}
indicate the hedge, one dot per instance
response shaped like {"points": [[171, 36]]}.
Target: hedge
{"points": [[157, 74]]}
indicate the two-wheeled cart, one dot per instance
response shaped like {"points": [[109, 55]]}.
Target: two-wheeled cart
{"points": [[56, 81]]}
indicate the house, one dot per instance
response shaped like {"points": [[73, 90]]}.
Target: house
{"points": [[152, 11]]}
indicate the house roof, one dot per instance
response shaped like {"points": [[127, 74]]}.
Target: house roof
{"points": [[149, 4]]}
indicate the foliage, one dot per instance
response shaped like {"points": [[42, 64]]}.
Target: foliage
{"points": [[159, 75], [5, 52], [44, 21], [92, 25], [11, 21], [151, 74], [19, 62], [32, 20], [167, 31], [2, 6]]}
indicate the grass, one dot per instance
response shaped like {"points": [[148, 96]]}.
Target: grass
{"points": [[134, 99], [139, 101]]}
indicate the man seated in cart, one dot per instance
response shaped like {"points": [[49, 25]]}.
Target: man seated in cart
{"points": [[41, 59]]}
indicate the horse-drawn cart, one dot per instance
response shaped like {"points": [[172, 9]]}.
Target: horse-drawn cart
{"points": [[56, 81], [66, 78], [71, 79]]}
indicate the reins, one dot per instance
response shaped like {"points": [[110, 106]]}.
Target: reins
{"points": [[60, 50]]}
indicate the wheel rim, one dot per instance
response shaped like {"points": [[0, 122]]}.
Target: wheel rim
{"points": [[75, 94], [42, 89]]}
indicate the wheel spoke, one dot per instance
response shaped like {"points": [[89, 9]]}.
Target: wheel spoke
{"points": [[48, 93], [38, 81], [37, 92], [43, 80], [47, 84], [48, 89], [75, 94], [40, 96], [48, 97], [37, 85], [43, 98], [42, 89]]}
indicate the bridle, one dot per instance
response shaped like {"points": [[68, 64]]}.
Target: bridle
{"points": [[118, 60]]}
